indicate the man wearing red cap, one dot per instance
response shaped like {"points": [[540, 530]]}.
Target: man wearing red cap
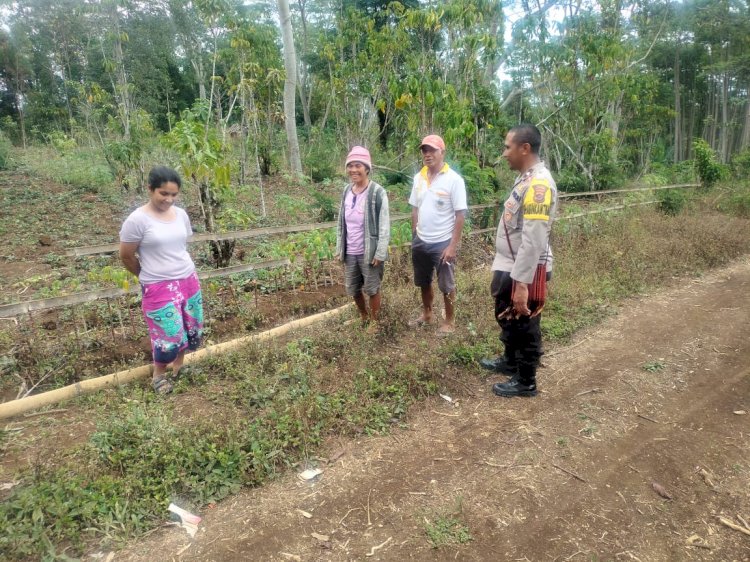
{"points": [[438, 201]]}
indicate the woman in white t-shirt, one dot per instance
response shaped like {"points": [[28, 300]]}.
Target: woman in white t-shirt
{"points": [[153, 246]]}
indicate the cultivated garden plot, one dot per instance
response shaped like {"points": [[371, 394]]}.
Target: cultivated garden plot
{"points": [[635, 450], [91, 473], [299, 432]]}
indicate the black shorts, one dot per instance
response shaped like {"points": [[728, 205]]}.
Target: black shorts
{"points": [[426, 259]]}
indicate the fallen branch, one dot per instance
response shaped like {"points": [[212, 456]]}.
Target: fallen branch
{"points": [[647, 418], [341, 521], [733, 525], [444, 414], [381, 545], [566, 471], [57, 411]]}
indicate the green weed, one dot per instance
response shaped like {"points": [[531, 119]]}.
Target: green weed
{"points": [[446, 527], [653, 366]]}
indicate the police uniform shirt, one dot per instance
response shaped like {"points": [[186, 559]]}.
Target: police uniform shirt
{"points": [[528, 214]]}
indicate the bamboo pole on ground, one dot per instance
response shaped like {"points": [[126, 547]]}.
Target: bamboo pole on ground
{"points": [[20, 406]]}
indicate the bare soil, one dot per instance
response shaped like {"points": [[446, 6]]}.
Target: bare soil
{"points": [[659, 394]]}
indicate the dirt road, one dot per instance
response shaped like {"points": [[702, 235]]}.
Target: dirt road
{"points": [[653, 395]]}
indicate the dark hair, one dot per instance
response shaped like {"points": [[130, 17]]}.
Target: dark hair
{"points": [[527, 133], [160, 175]]}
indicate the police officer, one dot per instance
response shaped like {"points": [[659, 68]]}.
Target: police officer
{"points": [[522, 245]]}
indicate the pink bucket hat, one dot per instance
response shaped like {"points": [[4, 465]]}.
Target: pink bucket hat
{"points": [[359, 154], [434, 141]]}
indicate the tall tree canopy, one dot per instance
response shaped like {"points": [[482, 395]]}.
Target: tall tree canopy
{"points": [[616, 85]]}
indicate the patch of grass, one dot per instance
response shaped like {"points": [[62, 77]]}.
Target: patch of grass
{"points": [[653, 366], [589, 430], [82, 169], [144, 454], [463, 353], [446, 527], [734, 199]]}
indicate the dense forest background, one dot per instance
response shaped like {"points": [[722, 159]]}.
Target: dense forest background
{"points": [[237, 91]]}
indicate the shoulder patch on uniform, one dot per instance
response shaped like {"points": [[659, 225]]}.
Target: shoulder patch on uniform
{"points": [[538, 200]]}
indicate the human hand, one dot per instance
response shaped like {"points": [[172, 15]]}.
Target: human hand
{"points": [[521, 299], [449, 255], [376, 262]]}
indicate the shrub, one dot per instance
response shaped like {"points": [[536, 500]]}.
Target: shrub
{"points": [[571, 181], [5, 146], [708, 168], [737, 200], [672, 201], [741, 164], [61, 142], [325, 206]]}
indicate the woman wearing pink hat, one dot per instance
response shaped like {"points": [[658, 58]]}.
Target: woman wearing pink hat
{"points": [[364, 230]]}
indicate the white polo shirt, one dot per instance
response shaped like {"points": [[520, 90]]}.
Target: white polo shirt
{"points": [[437, 203]]}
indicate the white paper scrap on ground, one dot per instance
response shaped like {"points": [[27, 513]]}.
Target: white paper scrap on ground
{"points": [[188, 521], [310, 474], [446, 398]]}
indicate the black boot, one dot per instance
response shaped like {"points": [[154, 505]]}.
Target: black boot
{"points": [[501, 364], [522, 385]]}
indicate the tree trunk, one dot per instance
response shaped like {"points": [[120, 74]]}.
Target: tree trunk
{"points": [[305, 86], [677, 156], [122, 91], [290, 87], [221, 250], [725, 130], [691, 132], [745, 140], [200, 74]]}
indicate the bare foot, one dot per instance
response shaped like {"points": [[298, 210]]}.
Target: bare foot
{"points": [[446, 329], [420, 321]]}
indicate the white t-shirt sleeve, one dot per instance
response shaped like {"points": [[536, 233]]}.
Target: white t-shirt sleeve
{"points": [[186, 220], [458, 195], [413, 197], [132, 229]]}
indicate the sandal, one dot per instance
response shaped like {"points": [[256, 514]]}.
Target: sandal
{"points": [[162, 386]]}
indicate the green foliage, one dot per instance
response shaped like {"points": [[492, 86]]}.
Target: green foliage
{"points": [[5, 148], [445, 527], [61, 142], [653, 366], [80, 169], [706, 165], [481, 182], [325, 206], [143, 456], [118, 276], [735, 199], [571, 181], [672, 201], [741, 165], [654, 180]]}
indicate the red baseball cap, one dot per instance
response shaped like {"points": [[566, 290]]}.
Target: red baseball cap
{"points": [[434, 141]]}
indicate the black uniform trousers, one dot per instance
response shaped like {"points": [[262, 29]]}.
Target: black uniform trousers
{"points": [[522, 337]]}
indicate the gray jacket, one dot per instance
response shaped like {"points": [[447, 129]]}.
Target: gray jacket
{"points": [[377, 224], [528, 214]]}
